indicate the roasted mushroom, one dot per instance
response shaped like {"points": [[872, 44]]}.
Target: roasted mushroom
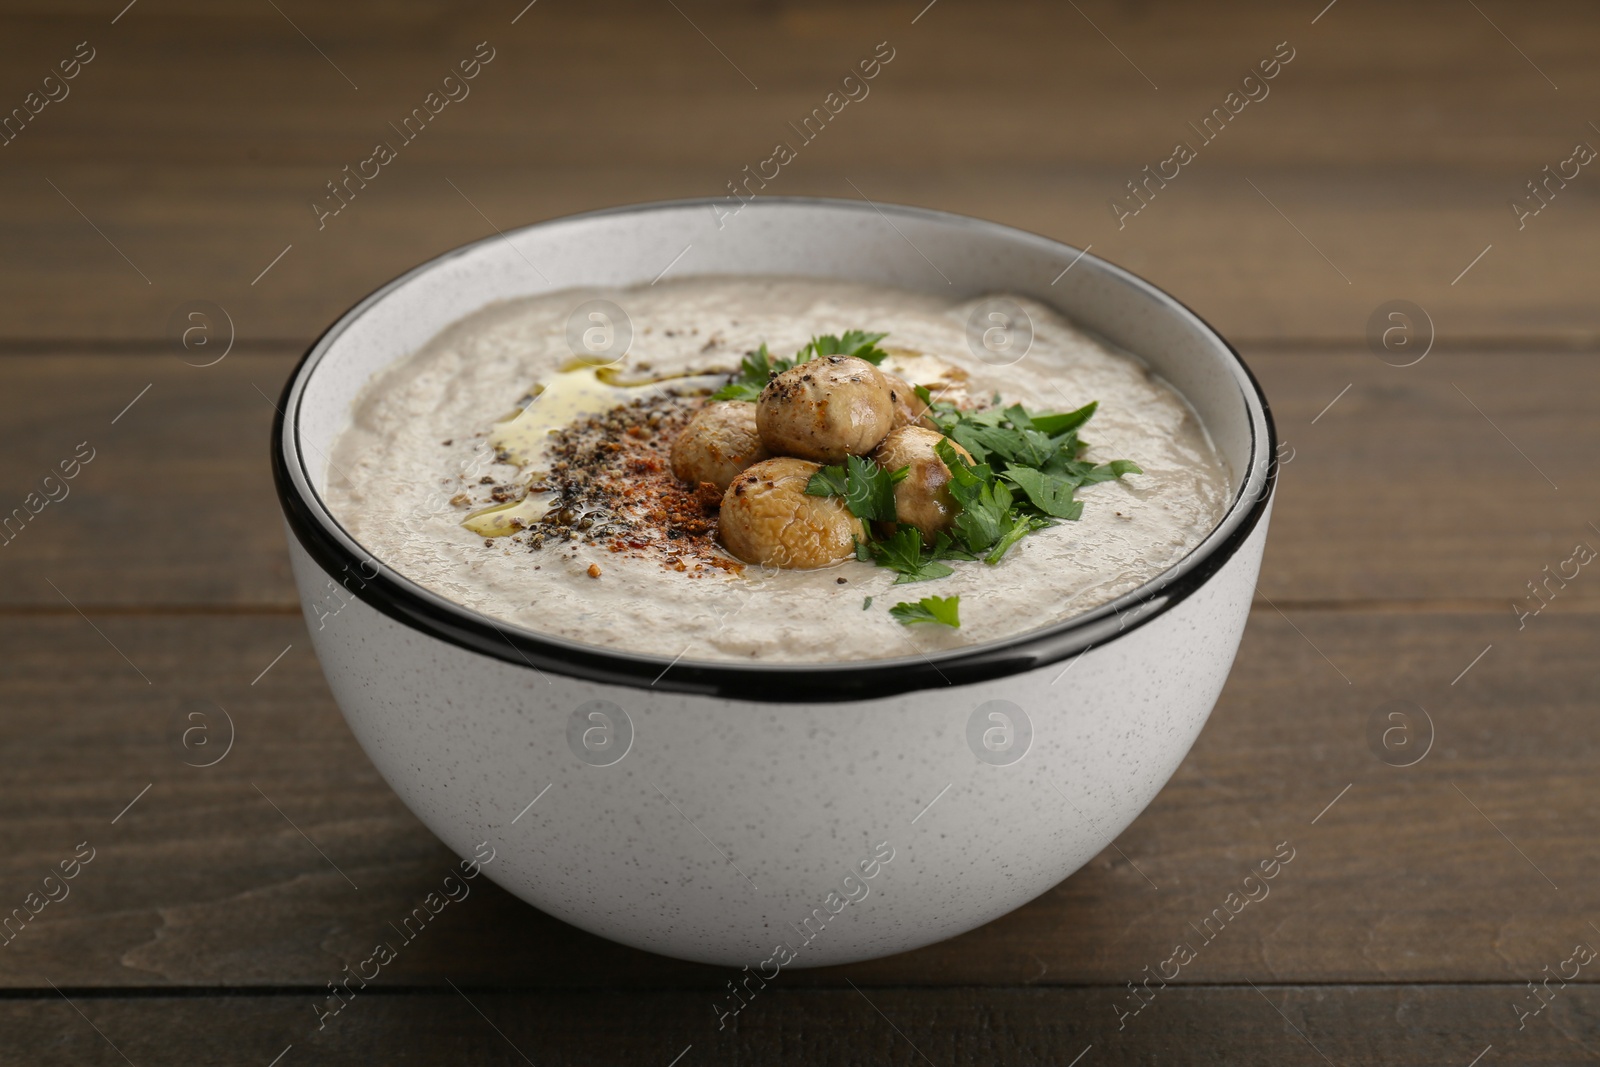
{"points": [[825, 409], [922, 498], [767, 518], [909, 410], [719, 442]]}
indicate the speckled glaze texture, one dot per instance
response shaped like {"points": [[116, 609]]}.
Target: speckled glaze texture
{"points": [[788, 797], [713, 812]]}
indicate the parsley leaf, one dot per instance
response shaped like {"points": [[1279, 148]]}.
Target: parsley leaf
{"points": [[941, 609], [867, 488], [1062, 463], [984, 500], [945, 548], [1037, 454], [984, 516], [856, 343], [970, 437], [869, 492], [757, 368], [739, 390], [903, 553], [1050, 493], [867, 603], [829, 481], [1070, 420], [1106, 472], [1021, 526]]}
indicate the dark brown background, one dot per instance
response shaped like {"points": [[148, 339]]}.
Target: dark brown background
{"points": [[1413, 513]]}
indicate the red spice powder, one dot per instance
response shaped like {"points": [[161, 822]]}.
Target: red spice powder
{"points": [[612, 484]]}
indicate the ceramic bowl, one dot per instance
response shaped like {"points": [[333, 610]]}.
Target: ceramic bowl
{"points": [[774, 816]]}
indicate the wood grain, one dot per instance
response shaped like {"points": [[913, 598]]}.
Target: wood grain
{"points": [[1406, 878], [1401, 492], [1427, 83], [1214, 241], [1269, 1026], [1381, 164], [1417, 505]]}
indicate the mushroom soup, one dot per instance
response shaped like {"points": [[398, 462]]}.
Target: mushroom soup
{"points": [[774, 469]]}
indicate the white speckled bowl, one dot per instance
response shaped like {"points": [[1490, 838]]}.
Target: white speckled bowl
{"points": [[716, 811]]}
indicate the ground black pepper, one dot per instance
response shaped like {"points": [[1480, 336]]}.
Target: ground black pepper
{"points": [[612, 485]]}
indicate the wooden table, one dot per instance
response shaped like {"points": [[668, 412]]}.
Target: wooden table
{"points": [[181, 164]]}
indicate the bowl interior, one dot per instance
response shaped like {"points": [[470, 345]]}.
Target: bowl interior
{"points": [[951, 255], [932, 252]]}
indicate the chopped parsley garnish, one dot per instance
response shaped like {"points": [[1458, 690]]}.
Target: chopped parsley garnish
{"points": [[757, 368], [991, 518], [1024, 474], [904, 553], [1050, 493], [829, 481], [867, 488], [1106, 472], [945, 610], [751, 377], [1061, 423], [858, 343]]}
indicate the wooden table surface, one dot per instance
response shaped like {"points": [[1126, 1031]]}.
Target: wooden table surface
{"points": [[181, 163]]}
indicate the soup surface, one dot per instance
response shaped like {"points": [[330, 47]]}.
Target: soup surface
{"points": [[518, 464]]}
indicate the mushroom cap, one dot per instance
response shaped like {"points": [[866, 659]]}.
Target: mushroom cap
{"points": [[825, 409], [719, 442], [767, 518], [909, 410], [922, 498]]}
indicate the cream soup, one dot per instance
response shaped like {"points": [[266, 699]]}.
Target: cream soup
{"points": [[458, 467]]}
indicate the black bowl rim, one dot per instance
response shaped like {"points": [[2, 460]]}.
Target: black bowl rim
{"points": [[343, 558]]}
